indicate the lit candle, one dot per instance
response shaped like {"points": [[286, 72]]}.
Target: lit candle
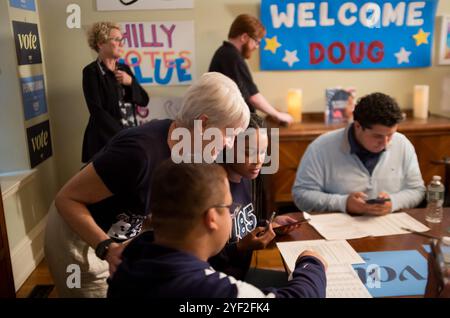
{"points": [[420, 105], [294, 102]]}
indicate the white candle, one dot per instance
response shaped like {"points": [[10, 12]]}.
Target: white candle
{"points": [[294, 102], [421, 100]]}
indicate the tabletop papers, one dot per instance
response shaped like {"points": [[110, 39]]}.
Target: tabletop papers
{"points": [[340, 226]]}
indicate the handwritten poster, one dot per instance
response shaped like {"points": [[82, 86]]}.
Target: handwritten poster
{"points": [[160, 53], [33, 94], [122, 5], [341, 34], [28, 47], [159, 108]]}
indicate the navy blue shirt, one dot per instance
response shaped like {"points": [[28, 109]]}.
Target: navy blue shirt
{"points": [[150, 270], [368, 159], [126, 165]]}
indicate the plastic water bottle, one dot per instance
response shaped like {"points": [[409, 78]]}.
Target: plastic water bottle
{"points": [[435, 199]]}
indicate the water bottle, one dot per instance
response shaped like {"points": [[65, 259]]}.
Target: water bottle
{"points": [[435, 199]]}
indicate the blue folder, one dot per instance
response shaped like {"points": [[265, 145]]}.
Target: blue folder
{"points": [[393, 273]]}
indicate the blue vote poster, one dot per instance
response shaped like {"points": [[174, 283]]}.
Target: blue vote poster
{"points": [[29, 5], [340, 34], [393, 273], [33, 94]]}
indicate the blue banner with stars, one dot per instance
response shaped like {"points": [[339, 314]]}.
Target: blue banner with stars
{"points": [[340, 34]]}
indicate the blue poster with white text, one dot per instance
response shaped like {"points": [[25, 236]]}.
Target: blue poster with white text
{"points": [[23, 4], [33, 94], [341, 34], [393, 273]]}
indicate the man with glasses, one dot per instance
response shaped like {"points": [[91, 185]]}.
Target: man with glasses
{"points": [[244, 38], [366, 168], [171, 262]]}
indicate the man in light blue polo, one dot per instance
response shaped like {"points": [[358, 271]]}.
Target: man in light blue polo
{"points": [[343, 169]]}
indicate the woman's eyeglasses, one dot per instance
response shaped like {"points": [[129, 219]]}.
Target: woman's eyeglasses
{"points": [[119, 40]]}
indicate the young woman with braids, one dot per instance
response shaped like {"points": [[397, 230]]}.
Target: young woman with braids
{"points": [[250, 229]]}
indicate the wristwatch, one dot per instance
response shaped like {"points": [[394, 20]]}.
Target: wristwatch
{"points": [[102, 248]]}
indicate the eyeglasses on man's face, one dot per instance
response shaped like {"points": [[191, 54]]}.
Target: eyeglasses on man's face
{"points": [[233, 208], [257, 41]]}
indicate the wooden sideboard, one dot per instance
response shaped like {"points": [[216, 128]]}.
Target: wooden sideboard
{"points": [[430, 137]]}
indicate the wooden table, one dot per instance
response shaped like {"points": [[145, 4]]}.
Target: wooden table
{"points": [[270, 257]]}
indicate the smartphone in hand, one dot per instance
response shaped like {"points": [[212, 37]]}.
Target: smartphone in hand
{"points": [[282, 229], [378, 201]]}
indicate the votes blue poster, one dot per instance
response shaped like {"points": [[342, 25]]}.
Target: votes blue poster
{"points": [[393, 273], [33, 94], [340, 34], [23, 4]]}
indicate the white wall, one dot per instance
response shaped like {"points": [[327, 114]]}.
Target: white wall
{"points": [[67, 53]]}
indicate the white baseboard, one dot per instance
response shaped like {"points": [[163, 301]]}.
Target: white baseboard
{"points": [[27, 255]]}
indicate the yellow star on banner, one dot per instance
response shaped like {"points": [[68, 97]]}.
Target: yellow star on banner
{"points": [[421, 37], [272, 44]]}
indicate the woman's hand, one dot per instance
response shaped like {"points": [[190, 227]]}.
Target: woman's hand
{"points": [[257, 239], [123, 78], [114, 256], [285, 220]]}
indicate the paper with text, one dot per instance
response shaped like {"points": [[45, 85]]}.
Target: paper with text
{"points": [[335, 252], [343, 282], [339, 226]]}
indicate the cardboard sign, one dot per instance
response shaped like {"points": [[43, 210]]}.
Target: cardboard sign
{"points": [[393, 273], [39, 143], [33, 94], [124, 5], [160, 53], [23, 4], [339, 34], [28, 47]]}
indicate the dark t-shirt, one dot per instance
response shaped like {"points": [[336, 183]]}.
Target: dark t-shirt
{"points": [[230, 260], [229, 61], [245, 220], [126, 165]]}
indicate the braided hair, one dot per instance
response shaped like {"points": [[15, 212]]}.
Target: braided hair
{"points": [[258, 194]]}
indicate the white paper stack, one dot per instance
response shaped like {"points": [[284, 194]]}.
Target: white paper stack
{"points": [[342, 280]]}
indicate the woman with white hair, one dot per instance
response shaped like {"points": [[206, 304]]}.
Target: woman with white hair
{"points": [[105, 204], [110, 89]]}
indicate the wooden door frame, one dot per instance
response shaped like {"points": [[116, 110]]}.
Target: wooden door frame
{"points": [[6, 274]]}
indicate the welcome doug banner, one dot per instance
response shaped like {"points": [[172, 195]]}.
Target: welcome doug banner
{"points": [[339, 34], [160, 53]]}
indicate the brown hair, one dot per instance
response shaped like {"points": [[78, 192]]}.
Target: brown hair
{"points": [[245, 23], [99, 33], [182, 192]]}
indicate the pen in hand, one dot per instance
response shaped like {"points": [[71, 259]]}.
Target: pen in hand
{"points": [[272, 217]]}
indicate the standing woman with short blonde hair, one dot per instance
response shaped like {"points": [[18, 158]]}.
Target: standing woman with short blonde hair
{"points": [[111, 91]]}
